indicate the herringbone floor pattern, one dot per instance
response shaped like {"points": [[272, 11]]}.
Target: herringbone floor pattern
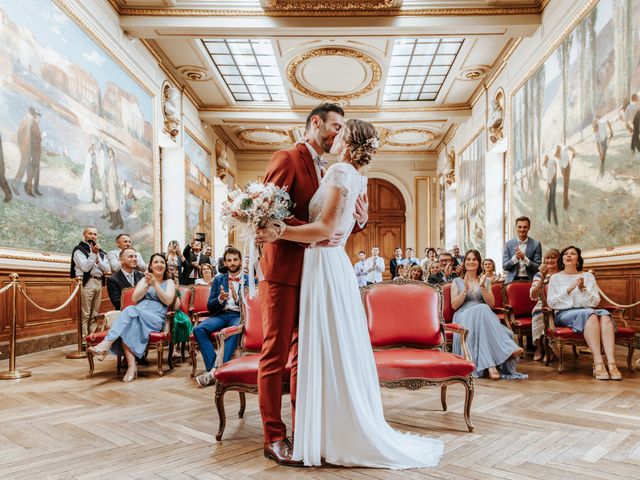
{"points": [[61, 425]]}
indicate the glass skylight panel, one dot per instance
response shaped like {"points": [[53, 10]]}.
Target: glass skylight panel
{"points": [[249, 68], [419, 67]]}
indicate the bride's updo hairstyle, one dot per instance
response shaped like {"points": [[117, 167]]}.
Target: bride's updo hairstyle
{"points": [[362, 141]]}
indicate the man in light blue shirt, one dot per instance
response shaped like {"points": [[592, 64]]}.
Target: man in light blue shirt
{"points": [[361, 269]]}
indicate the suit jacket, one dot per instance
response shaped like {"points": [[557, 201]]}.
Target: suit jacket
{"points": [[118, 282], [439, 278], [293, 168], [189, 257], [213, 305], [393, 266], [533, 252]]}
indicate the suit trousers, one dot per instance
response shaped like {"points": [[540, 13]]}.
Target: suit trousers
{"points": [[90, 303], [202, 332], [279, 304]]}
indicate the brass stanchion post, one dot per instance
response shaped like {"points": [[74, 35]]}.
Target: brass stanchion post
{"points": [[80, 353], [14, 374]]}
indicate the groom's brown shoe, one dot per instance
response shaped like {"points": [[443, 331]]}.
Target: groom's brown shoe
{"points": [[281, 452]]}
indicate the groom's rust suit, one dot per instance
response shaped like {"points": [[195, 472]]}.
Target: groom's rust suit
{"points": [[281, 265]]}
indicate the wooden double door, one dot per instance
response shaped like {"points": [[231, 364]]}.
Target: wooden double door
{"points": [[386, 226]]}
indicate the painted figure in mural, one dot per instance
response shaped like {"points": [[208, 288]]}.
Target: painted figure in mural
{"points": [[603, 133], [564, 156], [3, 179], [113, 192], [30, 145], [629, 112], [635, 133], [552, 177]]}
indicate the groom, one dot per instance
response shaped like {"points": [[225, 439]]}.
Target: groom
{"points": [[299, 168]]}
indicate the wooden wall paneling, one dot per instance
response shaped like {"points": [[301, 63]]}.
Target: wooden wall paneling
{"points": [[622, 284]]}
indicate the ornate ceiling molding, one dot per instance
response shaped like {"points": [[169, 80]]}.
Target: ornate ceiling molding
{"points": [[332, 5], [430, 137], [283, 134], [375, 70], [194, 73], [354, 108]]}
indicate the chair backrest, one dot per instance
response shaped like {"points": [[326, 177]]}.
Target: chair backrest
{"points": [[126, 297], [200, 298], [447, 309], [516, 294], [252, 320], [186, 298], [496, 289], [403, 312]]}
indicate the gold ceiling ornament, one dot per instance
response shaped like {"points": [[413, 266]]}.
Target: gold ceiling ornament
{"points": [[283, 134], [331, 5], [421, 131], [449, 171], [475, 72], [194, 73], [376, 71]]}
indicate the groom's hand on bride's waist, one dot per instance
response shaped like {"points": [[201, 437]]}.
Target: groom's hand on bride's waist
{"points": [[332, 241]]}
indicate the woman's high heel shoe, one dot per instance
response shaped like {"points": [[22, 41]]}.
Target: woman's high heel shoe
{"points": [[101, 350], [494, 374], [599, 372], [131, 375], [614, 373]]}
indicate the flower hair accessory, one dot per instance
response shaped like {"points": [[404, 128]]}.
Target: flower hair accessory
{"points": [[373, 143]]}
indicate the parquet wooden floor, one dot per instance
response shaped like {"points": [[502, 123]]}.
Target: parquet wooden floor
{"points": [[60, 425]]}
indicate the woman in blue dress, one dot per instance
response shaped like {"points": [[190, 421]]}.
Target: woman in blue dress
{"points": [[490, 343], [129, 334]]}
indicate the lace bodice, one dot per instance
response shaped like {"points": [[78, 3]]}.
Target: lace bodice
{"points": [[351, 184]]}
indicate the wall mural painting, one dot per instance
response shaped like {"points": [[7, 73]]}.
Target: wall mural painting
{"points": [[575, 157], [197, 165], [76, 136], [471, 204]]}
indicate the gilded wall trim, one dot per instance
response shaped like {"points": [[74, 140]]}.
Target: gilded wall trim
{"points": [[328, 5], [458, 107]]}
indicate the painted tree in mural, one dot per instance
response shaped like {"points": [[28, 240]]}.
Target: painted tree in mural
{"points": [[564, 56], [591, 29], [581, 36], [623, 51]]}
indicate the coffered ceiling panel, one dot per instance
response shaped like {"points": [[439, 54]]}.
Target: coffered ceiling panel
{"points": [[412, 67]]}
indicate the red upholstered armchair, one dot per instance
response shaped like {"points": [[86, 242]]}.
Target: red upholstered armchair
{"points": [[407, 334], [557, 337], [199, 311], [518, 307], [158, 340], [241, 372], [447, 316]]}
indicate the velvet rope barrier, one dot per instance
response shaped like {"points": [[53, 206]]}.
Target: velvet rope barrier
{"points": [[616, 304], [12, 373], [50, 310]]}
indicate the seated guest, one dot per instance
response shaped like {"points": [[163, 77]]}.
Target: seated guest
{"points": [[224, 305], [400, 272], [221, 265], [433, 269], [489, 270], [573, 294], [129, 334], [361, 269], [447, 271], [126, 277], [490, 343], [415, 273], [123, 241], [540, 281], [175, 261], [430, 255], [410, 257], [206, 274], [395, 261]]}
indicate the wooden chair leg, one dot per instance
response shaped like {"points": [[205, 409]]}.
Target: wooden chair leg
{"points": [[219, 401], [160, 349], [443, 396], [547, 351], [170, 355], [560, 357], [575, 351], [468, 399], [194, 358], [630, 355], [119, 364], [91, 364], [243, 404]]}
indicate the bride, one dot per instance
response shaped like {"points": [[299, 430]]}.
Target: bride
{"points": [[339, 415]]}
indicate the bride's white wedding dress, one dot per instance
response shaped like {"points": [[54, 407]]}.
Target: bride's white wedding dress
{"points": [[339, 415]]}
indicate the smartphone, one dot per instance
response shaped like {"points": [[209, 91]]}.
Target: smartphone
{"points": [[201, 236]]}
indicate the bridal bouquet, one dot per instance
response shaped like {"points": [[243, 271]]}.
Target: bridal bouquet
{"points": [[258, 205]]}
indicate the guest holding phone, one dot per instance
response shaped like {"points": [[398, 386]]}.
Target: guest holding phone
{"points": [[129, 333]]}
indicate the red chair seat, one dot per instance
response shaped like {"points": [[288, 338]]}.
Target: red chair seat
{"points": [[522, 322], [95, 338], [155, 337], [397, 364], [567, 334], [245, 370], [625, 332]]}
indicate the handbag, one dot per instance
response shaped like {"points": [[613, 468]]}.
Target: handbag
{"points": [[182, 327]]}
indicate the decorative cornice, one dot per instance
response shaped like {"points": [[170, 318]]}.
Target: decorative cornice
{"points": [[329, 5], [376, 71], [220, 132], [360, 109], [43, 258]]}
